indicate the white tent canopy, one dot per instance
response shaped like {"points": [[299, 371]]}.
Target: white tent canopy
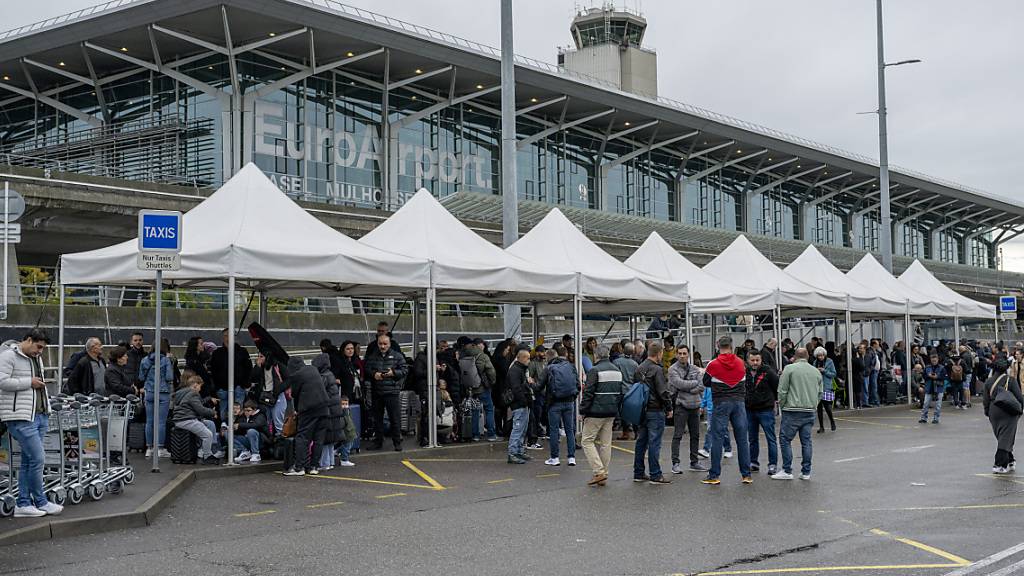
{"points": [[556, 241], [249, 230], [707, 293], [464, 264], [742, 265], [813, 268], [870, 272], [920, 278]]}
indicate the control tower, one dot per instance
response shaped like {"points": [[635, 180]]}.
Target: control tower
{"points": [[609, 46]]}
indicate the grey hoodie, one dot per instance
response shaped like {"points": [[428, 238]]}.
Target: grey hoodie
{"points": [[686, 385]]}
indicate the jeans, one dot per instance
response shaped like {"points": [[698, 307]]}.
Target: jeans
{"points": [[597, 443], [648, 440], [727, 445], [520, 418], [205, 430], [343, 449], [223, 406], [686, 418], [278, 412], [873, 384], [765, 419], [248, 442], [562, 413], [735, 413], [29, 434], [165, 404], [327, 455], [488, 403], [928, 397], [794, 423]]}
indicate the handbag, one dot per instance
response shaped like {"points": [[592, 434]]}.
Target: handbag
{"points": [[1005, 399], [290, 427], [447, 419]]}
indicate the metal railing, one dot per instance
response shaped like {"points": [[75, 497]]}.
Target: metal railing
{"points": [[65, 18]]}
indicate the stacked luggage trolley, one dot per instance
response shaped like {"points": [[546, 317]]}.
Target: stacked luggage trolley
{"points": [[85, 451]]}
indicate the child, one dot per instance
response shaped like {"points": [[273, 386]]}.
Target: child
{"points": [[191, 415], [251, 431], [709, 408], [348, 429]]}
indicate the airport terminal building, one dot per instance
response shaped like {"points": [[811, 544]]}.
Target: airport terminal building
{"points": [[344, 108]]}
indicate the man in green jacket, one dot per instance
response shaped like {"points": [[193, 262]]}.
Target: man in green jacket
{"points": [[799, 392]]}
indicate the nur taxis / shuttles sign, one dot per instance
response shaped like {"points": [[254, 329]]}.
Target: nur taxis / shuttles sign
{"points": [[159, 240]]}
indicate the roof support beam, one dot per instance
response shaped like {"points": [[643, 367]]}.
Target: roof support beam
{"points": [[774, 166], [306, 72], [785, 179], [828, 196], [540, 105], [35, 95], [907, 217], [419, 77], [627, 157], [165, 70], [416, 116], [562, 125], [632, 129]]}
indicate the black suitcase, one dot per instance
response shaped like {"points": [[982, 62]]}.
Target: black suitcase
{"points": [[892, 391], [465, 424], [137, 436], [410, 409], [183, 446]]}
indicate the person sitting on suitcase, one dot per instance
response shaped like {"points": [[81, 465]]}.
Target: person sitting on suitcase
{"points": [[385, 372], [192, 416]]}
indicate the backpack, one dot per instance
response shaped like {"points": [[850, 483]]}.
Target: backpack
{"points": [[634, 403], [72, 362], [956, 372], [470, 374], [562, 381]]}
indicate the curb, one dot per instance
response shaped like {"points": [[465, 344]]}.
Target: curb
{"points": [[147, 512]]}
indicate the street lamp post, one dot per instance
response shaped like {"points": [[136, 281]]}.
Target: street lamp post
{"points": [[883, 147]]}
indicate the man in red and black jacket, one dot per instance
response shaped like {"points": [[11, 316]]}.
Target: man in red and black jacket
{"points": [[726, 376], [762, 394]]}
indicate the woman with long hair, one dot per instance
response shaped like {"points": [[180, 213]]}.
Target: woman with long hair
{"points": [[197, 359], [1002, 417]]}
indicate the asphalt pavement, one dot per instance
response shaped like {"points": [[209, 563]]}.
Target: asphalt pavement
{"points": [[887, 496]]}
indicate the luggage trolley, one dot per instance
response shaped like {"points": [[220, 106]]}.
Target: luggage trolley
{"points": [[116, 413]]}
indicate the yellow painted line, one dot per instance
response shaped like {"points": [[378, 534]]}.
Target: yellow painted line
{"points": [[1002, 477], [455, 460], [895, 426], [548, 475], [817, 569], [932, 508], [501, 481], [383, 496], [434, 483], [367, 481], [251, 514], [626, 450], [324, 505], [925, 547]]}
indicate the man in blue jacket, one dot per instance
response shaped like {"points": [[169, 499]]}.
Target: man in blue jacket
{"points": [[934, 385]]}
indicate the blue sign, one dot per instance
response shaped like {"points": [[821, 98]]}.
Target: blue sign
{"points": [[159, 231], [1008, 304]]}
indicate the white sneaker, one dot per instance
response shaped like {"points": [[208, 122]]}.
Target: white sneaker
{"points": [[552, 462], [346, 463], [255, 459], [703, 453], [244, 456], [51, 509], [218, 454], [149, 452], [999, 470], [572, 461], [165, 453], [727, 454], [294, 472], [782, 475], [313, 472], [805, 476], [28, 512]]}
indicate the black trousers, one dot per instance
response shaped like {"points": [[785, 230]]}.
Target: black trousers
{"points": [[683, 419], [393, 404], [1003, 458], [827, 405], [309, 441]]}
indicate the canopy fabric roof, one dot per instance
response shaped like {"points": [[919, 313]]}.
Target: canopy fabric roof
{"points": [[556, 241], [919, 277], [707, 293], [741, 264], [813, 268], [870, 272], [464, 264], [250, 230]]}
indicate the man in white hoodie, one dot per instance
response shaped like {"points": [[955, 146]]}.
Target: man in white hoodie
{"points": [[25, 407]]}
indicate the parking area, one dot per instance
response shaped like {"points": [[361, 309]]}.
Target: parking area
{"points": [[888, 496]]}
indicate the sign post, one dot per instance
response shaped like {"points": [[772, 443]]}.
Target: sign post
{"points": [[14, 207], [1008, 307], [159, 250]]}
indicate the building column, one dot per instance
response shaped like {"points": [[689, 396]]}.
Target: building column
{"points": [[749, 213], [808, 215]]}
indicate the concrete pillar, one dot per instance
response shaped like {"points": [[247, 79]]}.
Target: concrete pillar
{"points": [[808, 221], [750, 213]]}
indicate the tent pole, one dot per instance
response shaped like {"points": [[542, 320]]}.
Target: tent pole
{"points": [[906, 354], [231, 371], [851, 401], [60, 331], [778, 335], [996, 341], [416, 328], [956, 326], [714, 340], [689, 329], [431, 363], [535, 325], [264, 311], [577, 335]]}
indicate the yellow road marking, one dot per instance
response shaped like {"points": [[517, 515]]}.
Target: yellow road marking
{"points": [[434, 483], [383, 496], [925, 547], [455, 460], [626, 450], [324, 505], [931, 508], [548, 475], [501, 481], [367, 481], [817, 569], [1002, 477], [251, 514], [895, 426]]}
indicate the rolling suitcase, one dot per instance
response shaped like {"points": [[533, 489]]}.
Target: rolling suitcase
{"points": [[356, 411], [410, 411], [137, 436], [892, 391], [183, 446]]}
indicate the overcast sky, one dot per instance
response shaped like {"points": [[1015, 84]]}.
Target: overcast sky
{"points": [[802, 66]]}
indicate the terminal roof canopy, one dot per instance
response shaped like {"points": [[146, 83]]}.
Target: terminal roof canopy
{"points": [[919, 277], [741, 264], [707, 293], [556, 241], [870, 272], [464, 264], [813, 268], [250, 230]]}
